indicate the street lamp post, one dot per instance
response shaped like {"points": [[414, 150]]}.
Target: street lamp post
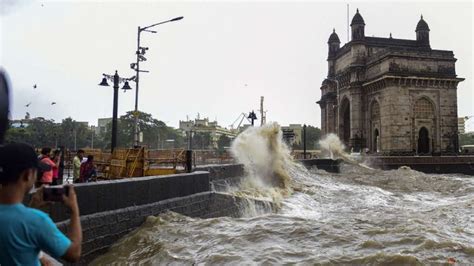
{"points": [[304, 141], [252, 116], [136, 66], [117, 80]]}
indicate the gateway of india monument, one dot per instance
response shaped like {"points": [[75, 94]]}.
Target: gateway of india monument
{"points": [[390, 96]]}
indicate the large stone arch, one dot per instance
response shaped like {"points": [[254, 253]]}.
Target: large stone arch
{"points": [[345, 120], [424, 125], [375, 126]]}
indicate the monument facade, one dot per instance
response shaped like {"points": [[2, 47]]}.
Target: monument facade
{"points": [[391, 96]]}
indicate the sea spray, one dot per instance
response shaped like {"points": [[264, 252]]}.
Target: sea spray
{"points": [[332, 145], [267, 163]]}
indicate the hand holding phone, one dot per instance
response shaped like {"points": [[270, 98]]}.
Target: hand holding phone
{"points": [[70, 200], [55, 193]]}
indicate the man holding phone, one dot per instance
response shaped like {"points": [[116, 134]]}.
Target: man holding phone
{"points": [[24, 232]]}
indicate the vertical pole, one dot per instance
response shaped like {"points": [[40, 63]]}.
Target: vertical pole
{"points": [[158, 140], [92, 140], [75, 139], [61, 166], [191, 139], [347, 22], [189, 161], [135, 131], [114, 116], [304, 141]]}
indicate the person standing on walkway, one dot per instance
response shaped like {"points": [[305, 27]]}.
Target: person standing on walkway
{"points": [[56, 158], [88, 170], [76, 165], [46, 177], [24, 231]]}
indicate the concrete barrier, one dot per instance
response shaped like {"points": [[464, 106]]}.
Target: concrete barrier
{"points": [[111, 209], [328, 165], [222, 171], [101, 230], [104, 196], [427, 164]]}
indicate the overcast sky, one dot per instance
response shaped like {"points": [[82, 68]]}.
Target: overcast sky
{"points": [[217, 61]]}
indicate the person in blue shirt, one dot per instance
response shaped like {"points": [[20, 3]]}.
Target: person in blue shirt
{"points": [[24, 231]]}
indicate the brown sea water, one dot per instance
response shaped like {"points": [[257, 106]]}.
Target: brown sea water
{"points": [[358, 217], [400, 217]]}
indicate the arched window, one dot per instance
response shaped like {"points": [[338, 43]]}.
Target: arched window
{"points": [[345, 120], [424, 108]]}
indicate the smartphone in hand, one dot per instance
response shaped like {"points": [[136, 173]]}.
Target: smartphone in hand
{"points": [[55, 193]]}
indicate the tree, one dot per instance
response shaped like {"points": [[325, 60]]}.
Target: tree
{"points": [[313, 135], [201, 140], [71, 133], [154, 131], [466, 139], [37, 132], [40, 132], [223, 142]]}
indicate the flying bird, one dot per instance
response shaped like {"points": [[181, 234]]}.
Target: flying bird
{"points": [[28, 105], [53, 103], [34, 86]]}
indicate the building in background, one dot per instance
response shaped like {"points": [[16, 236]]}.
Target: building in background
{"points": [[462, 125], [292, 134], [102, 125], [389, 95], [204, 126], [86, 124]]}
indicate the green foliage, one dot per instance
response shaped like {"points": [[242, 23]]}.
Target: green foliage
{"points": [[223, 142], [201, 140], [466, 139], [155, 132], [40, 132], [313, 135]]}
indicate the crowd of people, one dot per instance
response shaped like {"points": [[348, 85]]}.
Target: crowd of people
{"points": [[26, 233], [83, 168]]}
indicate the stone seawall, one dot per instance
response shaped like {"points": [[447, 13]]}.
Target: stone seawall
{"points": [[427, 164], [328, 165], [111, 209], [222, 171], [104, 196], [222, 176], [101, 230]]}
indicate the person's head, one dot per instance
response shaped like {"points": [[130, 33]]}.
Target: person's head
{"points": [[90, 158], [56, 153], [18, 166], [80, 154], [45, 151]]}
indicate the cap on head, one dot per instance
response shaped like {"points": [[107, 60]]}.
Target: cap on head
{"points": [[17, 157]]}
